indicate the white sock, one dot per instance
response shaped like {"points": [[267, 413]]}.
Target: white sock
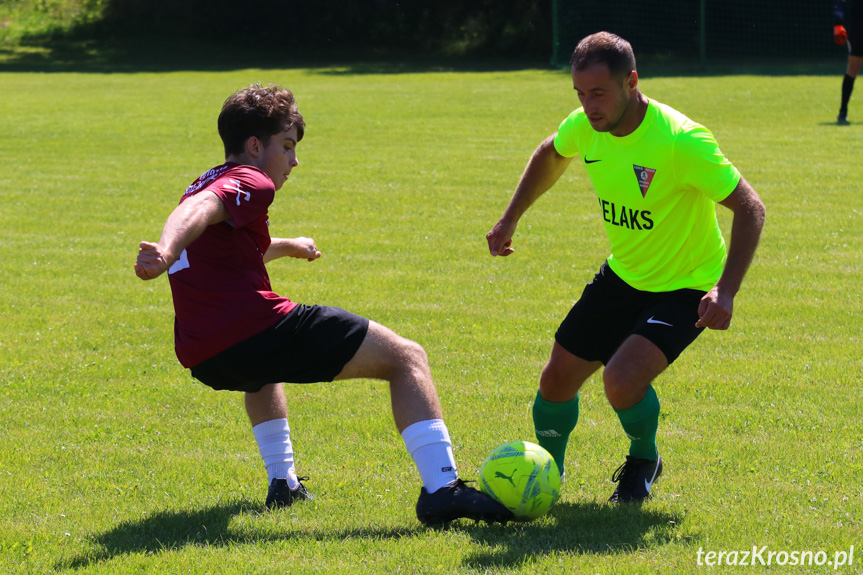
{"points": [[274, 443], [429, 444]]}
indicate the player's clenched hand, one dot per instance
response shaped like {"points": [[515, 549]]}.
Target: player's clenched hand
{"points": [[500, 238], [840, 35], [151, 261], [306, 249], [715, 310]]}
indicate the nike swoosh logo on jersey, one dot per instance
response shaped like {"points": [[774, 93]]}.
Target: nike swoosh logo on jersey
{"points": [[586, 161], [651, 320]]}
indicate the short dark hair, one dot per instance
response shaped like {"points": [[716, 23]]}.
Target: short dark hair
{"points": [[259, 111], [604, 48]]}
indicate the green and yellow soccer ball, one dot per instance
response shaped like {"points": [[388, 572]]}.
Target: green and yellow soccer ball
{"points": [[523, 477]]}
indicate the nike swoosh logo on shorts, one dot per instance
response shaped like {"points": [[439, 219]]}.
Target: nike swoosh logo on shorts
{"points": [[651, 320], [586, 161]]}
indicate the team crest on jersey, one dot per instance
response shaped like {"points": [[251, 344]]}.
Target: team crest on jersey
{"points": [[645, 178]]}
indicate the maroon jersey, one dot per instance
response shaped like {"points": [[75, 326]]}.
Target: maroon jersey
{"points": [[221, 289]]}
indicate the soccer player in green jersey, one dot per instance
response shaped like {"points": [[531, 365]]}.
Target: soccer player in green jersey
{"points": [[658, 176]]}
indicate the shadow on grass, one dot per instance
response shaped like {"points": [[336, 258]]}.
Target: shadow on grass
{"points": [[143, 54], [580, 528], [88, 54], [173, 530], [576, 528], [842, 126]]}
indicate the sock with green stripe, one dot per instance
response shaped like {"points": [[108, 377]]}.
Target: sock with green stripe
{"points": [[553, 422], [640, 423]]}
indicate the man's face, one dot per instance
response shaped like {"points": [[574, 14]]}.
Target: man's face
{"points": [[279, 156], [605, 99]]}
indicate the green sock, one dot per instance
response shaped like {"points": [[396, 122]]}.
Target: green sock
{"points": [[640, 422], [553, 423]]}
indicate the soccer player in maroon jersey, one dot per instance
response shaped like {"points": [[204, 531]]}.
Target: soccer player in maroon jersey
{"points": [[234, 333]]}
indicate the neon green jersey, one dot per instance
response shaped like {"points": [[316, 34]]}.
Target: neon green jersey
{"points": [[657, 189]]}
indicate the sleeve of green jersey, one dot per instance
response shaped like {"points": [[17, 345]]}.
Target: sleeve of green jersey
{"points": [[565, 142], [699, 163]]}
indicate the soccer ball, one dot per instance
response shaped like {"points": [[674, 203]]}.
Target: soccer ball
{"points": [[523, 477]]}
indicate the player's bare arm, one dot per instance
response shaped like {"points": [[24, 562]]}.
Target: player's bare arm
{"points": [[717, 306], [184, 225], [300, 248], [543, 170]]}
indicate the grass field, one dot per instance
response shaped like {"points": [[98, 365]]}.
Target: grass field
{"points": [[113, 460]]}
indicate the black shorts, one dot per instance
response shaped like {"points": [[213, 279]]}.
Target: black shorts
{"points": [[610, 310], [855, 37], [310, 344], [854, 27]]}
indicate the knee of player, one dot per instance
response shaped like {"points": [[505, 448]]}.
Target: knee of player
{"points": [[553, 380], [403, 358], [413, 355], [623, 388], [617, 382]]}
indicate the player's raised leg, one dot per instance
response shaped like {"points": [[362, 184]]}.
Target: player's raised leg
{"points": [[404, 364], [417, 413]]}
